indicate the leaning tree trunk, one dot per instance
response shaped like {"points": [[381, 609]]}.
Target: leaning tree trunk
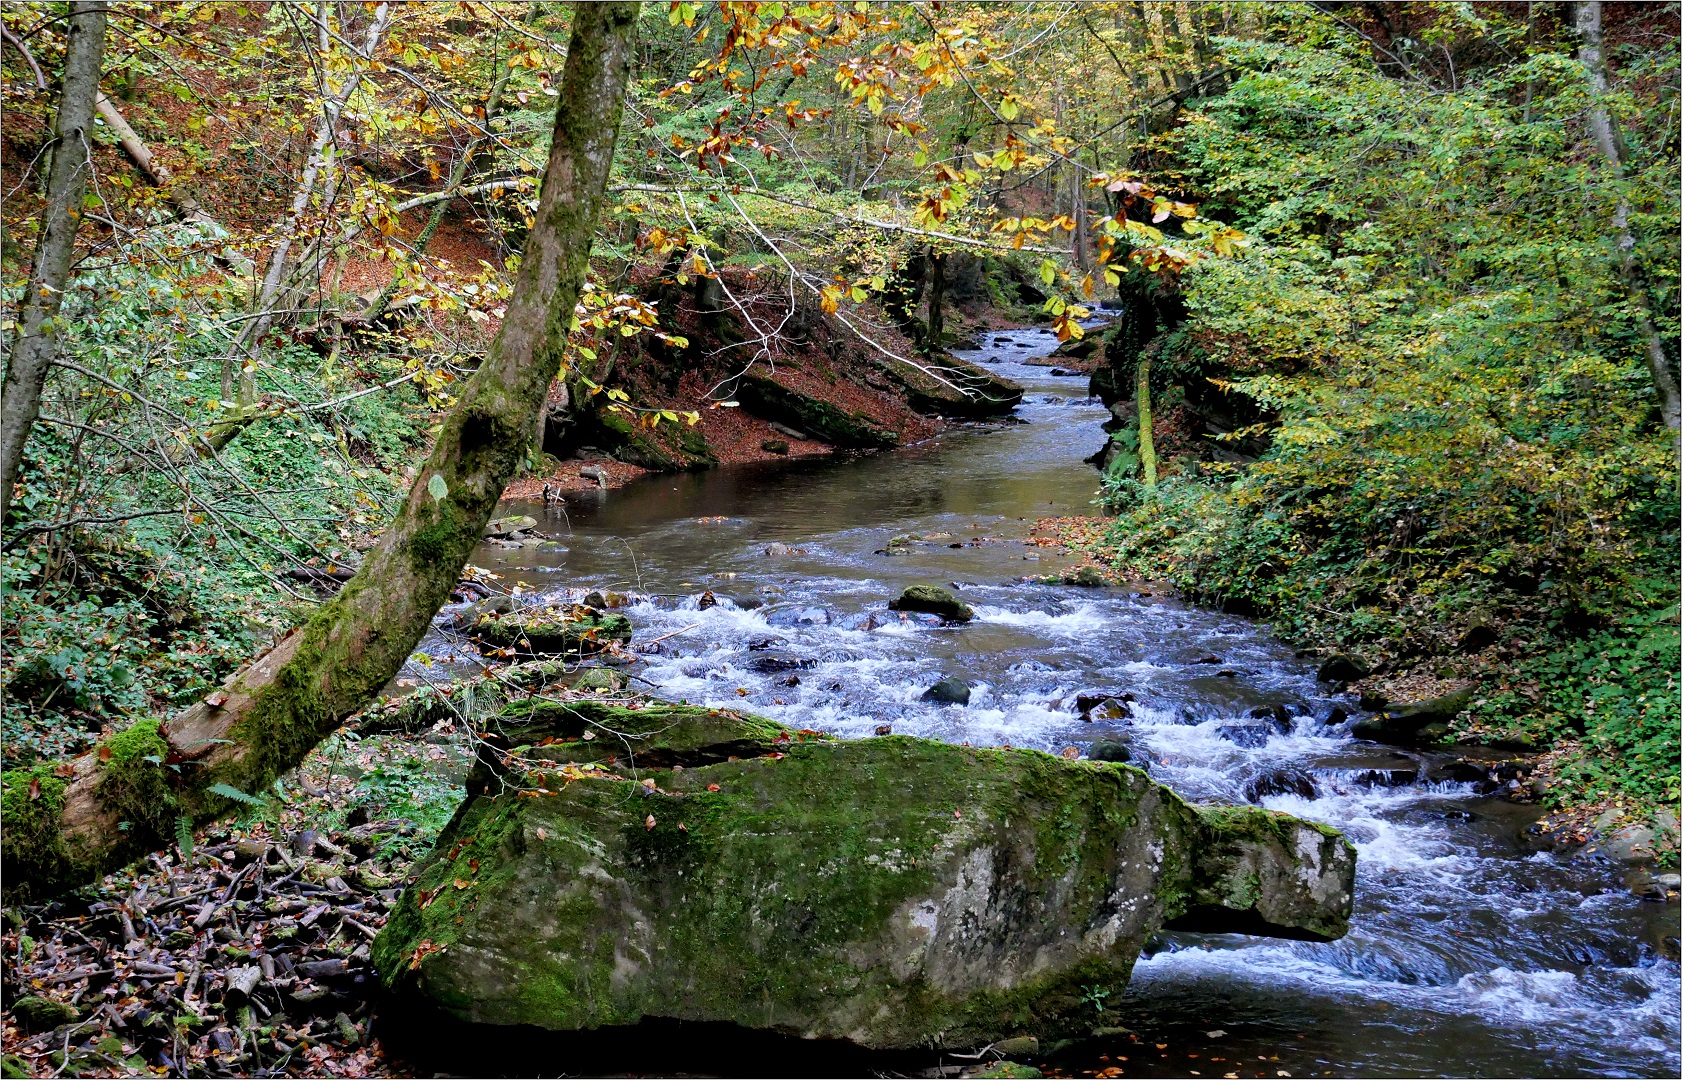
{"points": [[1633, 273], [67, 182], [1147, 441], [67, 825]]}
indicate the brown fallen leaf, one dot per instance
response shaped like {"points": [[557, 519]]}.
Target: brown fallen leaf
{"points": [[217, 700], [648, 823], [712, 787], [105, 753]]}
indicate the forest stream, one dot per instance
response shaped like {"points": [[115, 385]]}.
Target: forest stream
{"points": [[1475, 950]]}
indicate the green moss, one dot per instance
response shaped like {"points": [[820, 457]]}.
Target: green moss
{"points": [[433, 545], [133, 783], [568, 633], [755, 903], [31, 807], [133, 786]]}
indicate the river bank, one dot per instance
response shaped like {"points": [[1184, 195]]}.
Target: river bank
{"points": [[1632, 831]]}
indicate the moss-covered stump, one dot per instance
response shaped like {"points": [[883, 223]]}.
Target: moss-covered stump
{"points": [[894, 892], [766, 397], [570, 632]]}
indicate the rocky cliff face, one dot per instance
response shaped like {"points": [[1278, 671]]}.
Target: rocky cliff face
{"points": [[649, 860]]}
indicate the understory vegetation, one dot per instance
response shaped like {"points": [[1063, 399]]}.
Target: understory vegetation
{"points": [[1466, 470]]}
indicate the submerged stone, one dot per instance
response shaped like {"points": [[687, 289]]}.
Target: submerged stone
{"points": [[894, 892]]}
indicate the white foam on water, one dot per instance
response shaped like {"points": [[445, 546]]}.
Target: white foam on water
{"points": [[1082, 621]]}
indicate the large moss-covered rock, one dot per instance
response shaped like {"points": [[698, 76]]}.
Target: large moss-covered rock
{"points": [[1419, 724], [766, 397], [934, 600], [570, 631], [668, 447], [953, 387], [894, 892]]}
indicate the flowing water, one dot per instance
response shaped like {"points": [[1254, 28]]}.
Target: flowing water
{"points": [[1473, 950]]}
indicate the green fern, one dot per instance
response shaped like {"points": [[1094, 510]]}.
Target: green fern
{"points": [[235, 794], [184, 835]]}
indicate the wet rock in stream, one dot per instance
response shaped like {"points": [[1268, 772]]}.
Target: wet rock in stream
{"points": [[893, 892], [934, 600], [569, 632], [950, 690], [1285, 781]]}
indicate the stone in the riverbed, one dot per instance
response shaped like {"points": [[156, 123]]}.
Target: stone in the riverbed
{"points": [[1341, 667], [934, 600], [552, 632], [894, 892], [774, 446], [489, 607], [1118, 750], [1278, 715], [1078, 348], [1419, 724], [509, 526], [1285, 781], [775, 662], [1108, 709], [1087, 700], [776, 549], [1249, 734], [949, 690]]}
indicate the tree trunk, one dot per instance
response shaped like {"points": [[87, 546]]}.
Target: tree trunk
{"points": [[1634, 274], [124, 800], [937, 301], [155, 171], [67, 182], [1147, 445]]}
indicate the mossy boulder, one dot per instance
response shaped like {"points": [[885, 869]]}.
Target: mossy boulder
{"points": [[672, 446], [571, 632], [953, 387], [36, 1013], [894, 892], [772, 400], [933, 600], [1419, 724]]}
